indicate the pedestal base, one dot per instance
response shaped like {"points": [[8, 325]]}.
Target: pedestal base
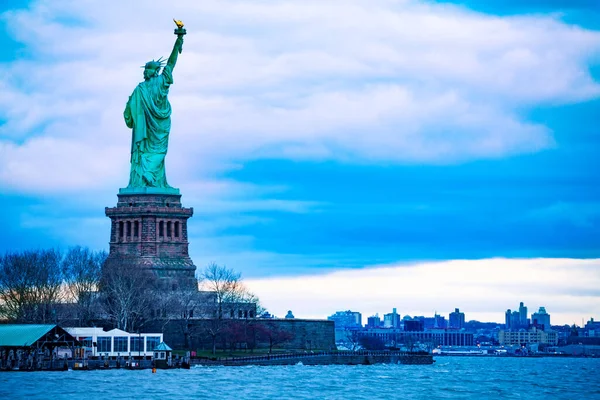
{"points": [[149, 232], [148, 190]]}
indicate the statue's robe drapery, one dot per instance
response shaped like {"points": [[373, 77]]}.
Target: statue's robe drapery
{"points": [[148, 113]]}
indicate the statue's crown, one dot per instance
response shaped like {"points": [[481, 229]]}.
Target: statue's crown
{"points": [[154, 64]]}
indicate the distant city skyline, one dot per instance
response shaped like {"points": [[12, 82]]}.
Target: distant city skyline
{"points": [[418, 154], [426, 288]]}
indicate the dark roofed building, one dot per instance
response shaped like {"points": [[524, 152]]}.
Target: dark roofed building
{"points": [[26, 347], [34, 336]]}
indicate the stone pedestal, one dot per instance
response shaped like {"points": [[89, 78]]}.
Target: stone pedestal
{"points": [[149, 232]]}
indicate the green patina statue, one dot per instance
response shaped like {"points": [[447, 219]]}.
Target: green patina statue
{"points": [[148, 113]]}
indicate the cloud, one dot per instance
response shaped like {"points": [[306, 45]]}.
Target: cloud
{"points": [[397, 82], [483, 289], [400, 81]]}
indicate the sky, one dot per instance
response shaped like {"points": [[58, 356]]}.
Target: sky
{"points": [[423, 155]]}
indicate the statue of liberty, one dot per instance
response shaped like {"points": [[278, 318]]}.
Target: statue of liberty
{"points": [[148, 113]]}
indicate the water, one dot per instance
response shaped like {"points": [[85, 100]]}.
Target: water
{"points": [[448, 378]]}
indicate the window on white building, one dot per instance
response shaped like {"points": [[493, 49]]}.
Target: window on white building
{"points": [[136, 344], [152, 342], [104, 344], [120, 344]]}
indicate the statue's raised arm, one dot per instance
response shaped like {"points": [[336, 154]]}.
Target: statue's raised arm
{"points": [[176, 50], [178, 46]]}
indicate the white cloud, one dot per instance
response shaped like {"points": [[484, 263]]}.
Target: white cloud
{"points": [[364, 82], [394, 81], [483, 289]]}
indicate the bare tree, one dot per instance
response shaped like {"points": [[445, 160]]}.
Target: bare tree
{"points": [[236, 333], [228, 296], [126, 297], [82, 270], [243, 332], [409, 343], [30, 285], [371, 343], [272, 333], [353, 337], [179, 308]]}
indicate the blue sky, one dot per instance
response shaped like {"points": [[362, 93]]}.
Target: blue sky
{"points": [[317, 137]]}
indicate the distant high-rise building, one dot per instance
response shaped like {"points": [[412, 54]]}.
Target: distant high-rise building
{"points": [[346, 319], [523, 315], [516, 320], [541, 319], [456, 319], [429, 323], [592, 328], [440, 322], [391, 320], [592, 325], [374, 321], [435, 322], [507, 319], [413, 325]]}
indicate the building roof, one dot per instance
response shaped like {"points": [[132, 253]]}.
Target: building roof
{"points": [[97, 331], [22, 335], [115, 332], [162, 346]]}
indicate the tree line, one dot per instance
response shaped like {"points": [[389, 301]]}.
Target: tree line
{"points": [[36, 286], [77, 287], [34, 282]]}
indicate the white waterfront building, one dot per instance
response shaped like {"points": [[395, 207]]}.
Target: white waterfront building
{"points": [[116, 343]]}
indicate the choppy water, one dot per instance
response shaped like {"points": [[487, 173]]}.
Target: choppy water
{"points": [[448, 378]]}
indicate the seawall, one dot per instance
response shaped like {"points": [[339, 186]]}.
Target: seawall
{"points": [[324, 358]]}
